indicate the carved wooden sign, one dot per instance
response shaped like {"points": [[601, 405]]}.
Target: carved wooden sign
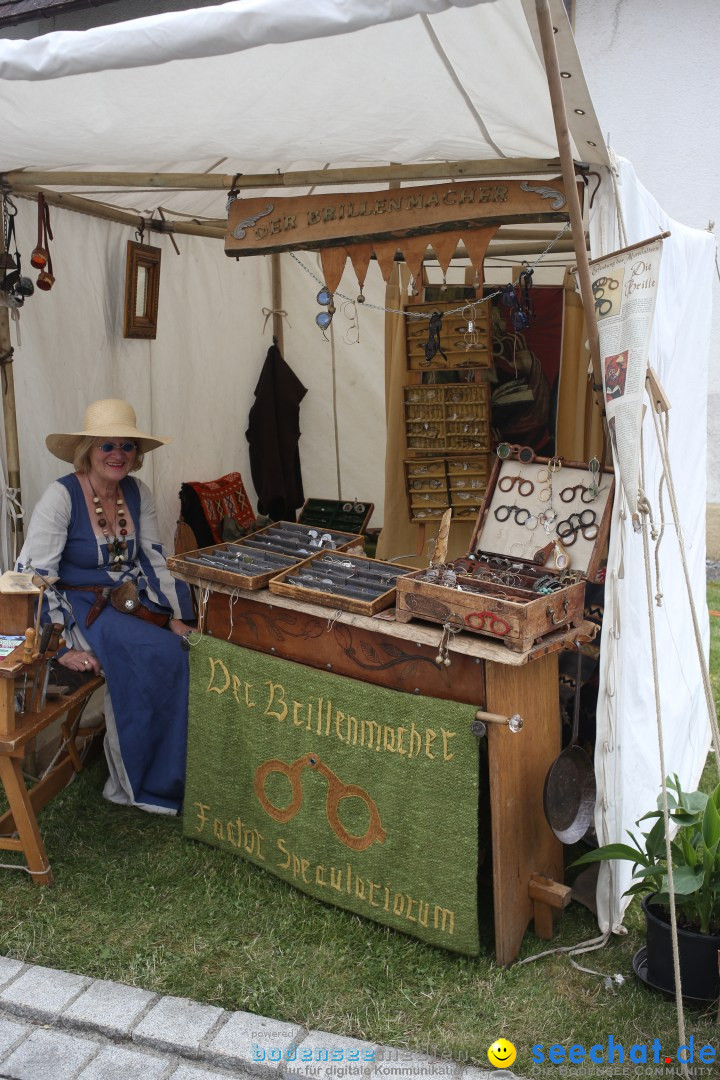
{"points": [[334, 219]]}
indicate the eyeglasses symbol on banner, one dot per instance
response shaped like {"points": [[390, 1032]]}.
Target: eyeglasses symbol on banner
{"points": [[337, 791], [624, 288], [607, 294]]}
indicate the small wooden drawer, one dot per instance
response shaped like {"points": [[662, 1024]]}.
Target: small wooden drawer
{"points": [[348, 582], [421, 472], [437, 483]]}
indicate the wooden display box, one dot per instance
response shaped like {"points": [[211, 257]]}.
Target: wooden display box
{"points": [[193, 562], [454, 340], [351, 515], [512, 589], [284, 543], [447, 417], [17, 612], [360, 570], [434, 484]]}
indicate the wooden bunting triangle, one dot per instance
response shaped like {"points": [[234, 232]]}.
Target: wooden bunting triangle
{"points": [[385, 252], [443, 245], [414, 249], [360, 255], [333, 263], [476, 244]]}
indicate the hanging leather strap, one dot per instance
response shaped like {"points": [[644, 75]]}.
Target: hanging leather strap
{"points": [[41, 221]]}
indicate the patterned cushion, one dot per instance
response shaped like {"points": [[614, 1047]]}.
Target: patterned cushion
{"points": [[216, 500]]}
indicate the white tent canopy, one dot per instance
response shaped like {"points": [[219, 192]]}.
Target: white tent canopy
{"points": [[272, 87], [375, 93]]}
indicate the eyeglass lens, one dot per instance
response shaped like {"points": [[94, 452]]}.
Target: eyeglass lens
{"points": [[126, 447], [325, 298]]}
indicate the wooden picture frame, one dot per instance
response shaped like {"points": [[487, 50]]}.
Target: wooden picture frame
{"points": [[142, 289]]}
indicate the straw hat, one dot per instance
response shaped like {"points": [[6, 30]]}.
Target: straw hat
{"points": [[109, 418]]}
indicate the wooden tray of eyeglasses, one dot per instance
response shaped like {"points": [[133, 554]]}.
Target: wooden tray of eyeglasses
{"points": [[254, 560], [340, 580], [539, 537]]}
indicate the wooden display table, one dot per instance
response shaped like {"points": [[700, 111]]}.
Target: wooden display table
{"points": [[482, 673], [16, 731]]}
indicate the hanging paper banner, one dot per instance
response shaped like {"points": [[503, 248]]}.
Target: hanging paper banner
{"points": [[335, 219], [624, 286]]}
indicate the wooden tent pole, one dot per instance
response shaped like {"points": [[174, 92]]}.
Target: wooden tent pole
{"points": [[277, 319], [12, 450], [562, 131], [21, 179]]}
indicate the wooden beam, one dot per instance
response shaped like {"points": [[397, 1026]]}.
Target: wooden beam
{"points": [[21, 179], [122, 217], [562, 131]]}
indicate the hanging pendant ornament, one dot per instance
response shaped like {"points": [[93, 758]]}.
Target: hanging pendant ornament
{"points": [[117, 544], [452, 626], [361, 295]]}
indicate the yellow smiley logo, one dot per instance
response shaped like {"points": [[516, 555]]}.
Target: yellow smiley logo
{"points": [[501, 1054]]}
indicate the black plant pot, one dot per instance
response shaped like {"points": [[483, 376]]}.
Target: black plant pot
{"points": [[698, 957]]}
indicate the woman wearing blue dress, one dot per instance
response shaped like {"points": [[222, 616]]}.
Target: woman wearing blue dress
{"points": [[96, 530]]}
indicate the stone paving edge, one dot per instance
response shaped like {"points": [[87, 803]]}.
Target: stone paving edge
{"points": [[228, 1042]]}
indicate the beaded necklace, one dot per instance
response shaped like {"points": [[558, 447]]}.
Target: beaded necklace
{"points": [[117, 545]]}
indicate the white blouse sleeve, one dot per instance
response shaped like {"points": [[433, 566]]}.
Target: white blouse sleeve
{"points": [[45, 541]]}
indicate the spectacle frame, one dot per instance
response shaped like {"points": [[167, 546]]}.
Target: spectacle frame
{"points": [[108, 447]]}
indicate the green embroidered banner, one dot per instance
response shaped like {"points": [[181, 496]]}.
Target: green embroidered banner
{"points": [[360, 796]]}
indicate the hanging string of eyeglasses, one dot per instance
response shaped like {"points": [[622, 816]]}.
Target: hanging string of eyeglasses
{"points": [[515, 295]]}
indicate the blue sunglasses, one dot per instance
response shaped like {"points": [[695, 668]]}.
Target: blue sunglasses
{"points": [[126, 447]]}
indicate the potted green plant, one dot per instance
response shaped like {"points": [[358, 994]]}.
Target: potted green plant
{"points": [[695, 853]]}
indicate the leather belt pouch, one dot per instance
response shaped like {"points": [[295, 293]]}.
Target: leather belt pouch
{"points": [[125, 598]]}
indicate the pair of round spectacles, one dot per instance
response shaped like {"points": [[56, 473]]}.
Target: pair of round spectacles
{"points": [[126, 447], [525, 454], [325, 299]]}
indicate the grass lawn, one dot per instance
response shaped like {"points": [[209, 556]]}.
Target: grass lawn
{"points": [[135, 902]]}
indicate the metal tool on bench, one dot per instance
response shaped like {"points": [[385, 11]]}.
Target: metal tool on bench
{"points": [[42, 644], [52, 646]]}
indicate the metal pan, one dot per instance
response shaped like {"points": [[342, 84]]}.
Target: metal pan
{"points": [[570, 787]]}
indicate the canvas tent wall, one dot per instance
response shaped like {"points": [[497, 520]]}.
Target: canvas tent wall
{"points": [[264, 87]]}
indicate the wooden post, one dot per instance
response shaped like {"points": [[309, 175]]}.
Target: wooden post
{"points": [[562, 131], [12, 450], [277, 319]]}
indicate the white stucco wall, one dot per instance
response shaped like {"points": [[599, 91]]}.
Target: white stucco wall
{"points": [[653, 70]]}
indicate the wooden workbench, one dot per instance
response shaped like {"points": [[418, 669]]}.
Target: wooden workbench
{"points": [[482, 673], [16, 732]]}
